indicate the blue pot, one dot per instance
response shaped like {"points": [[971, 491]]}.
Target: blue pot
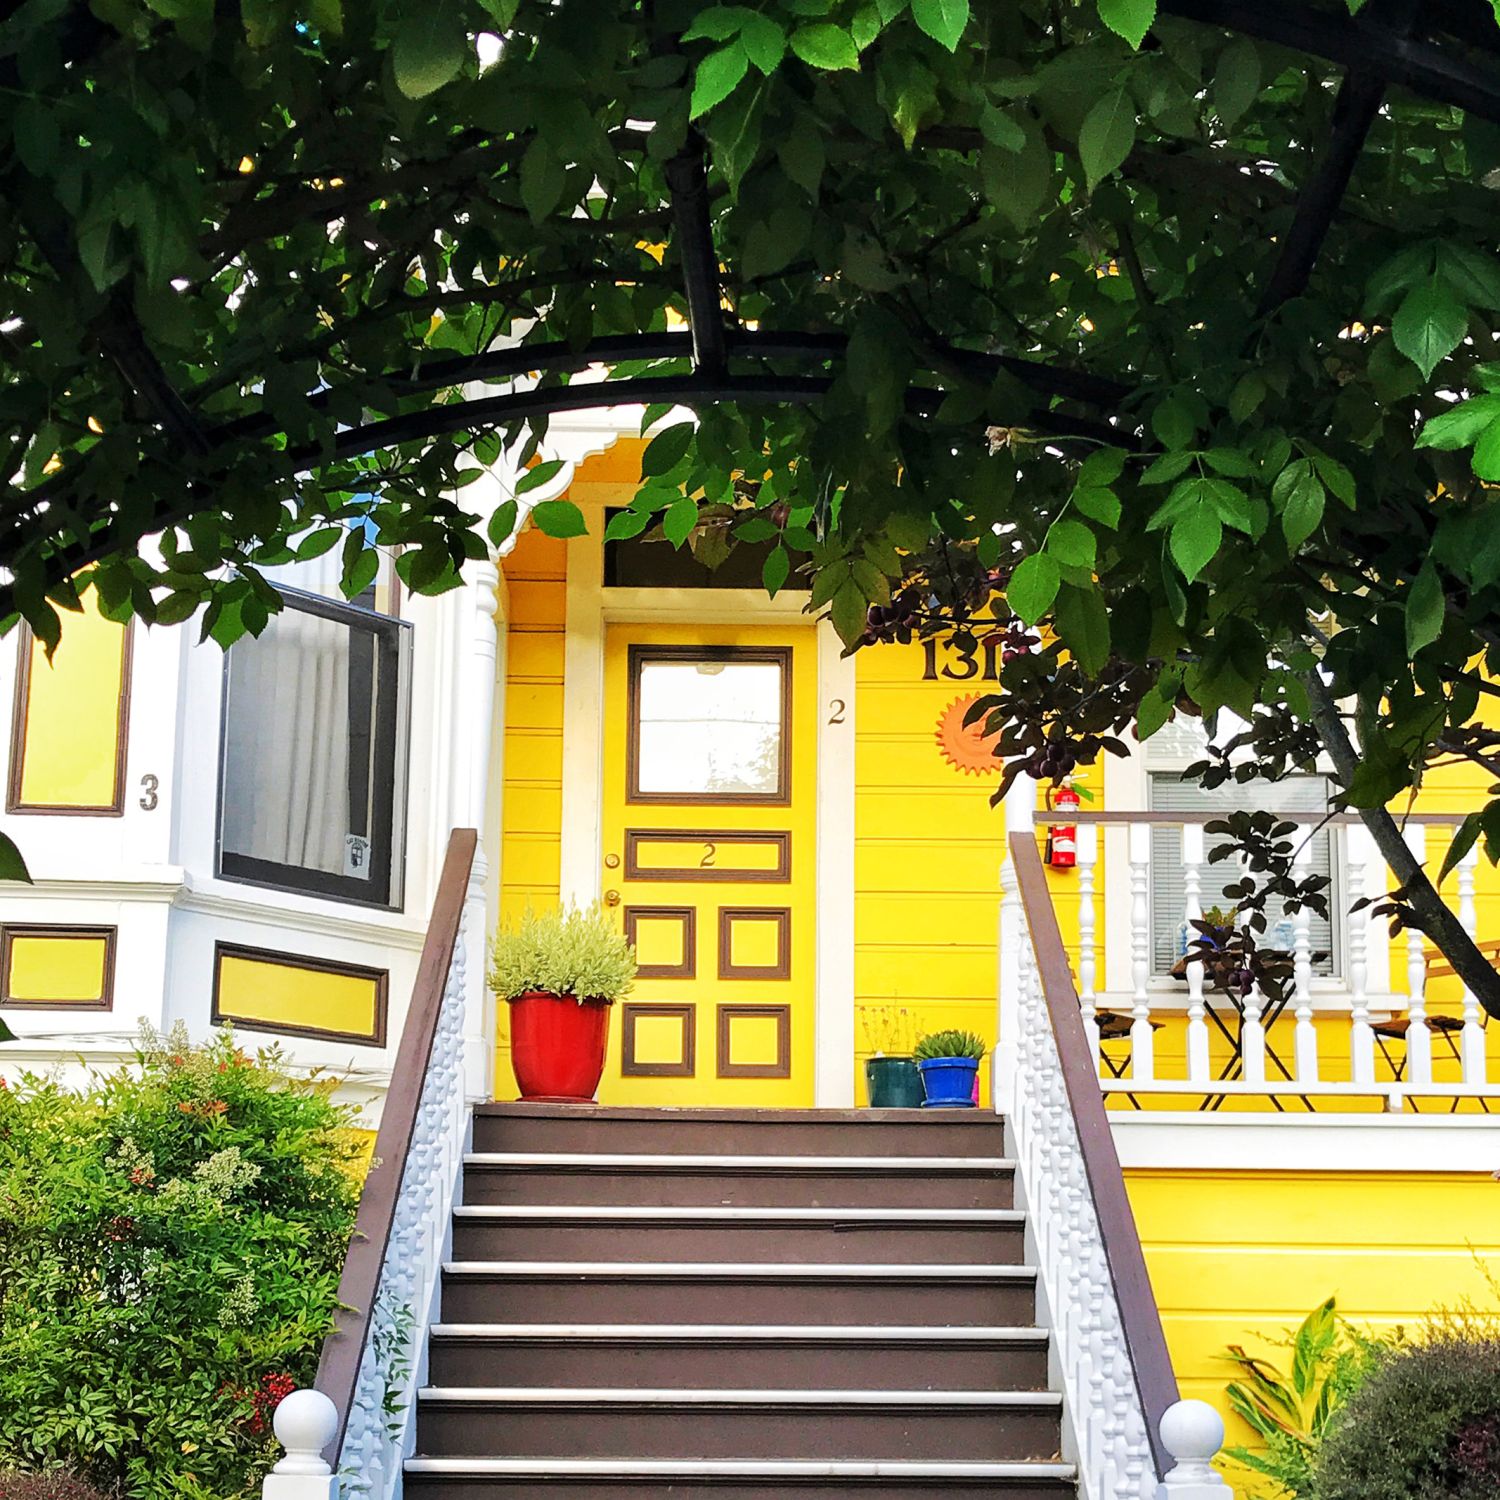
{"points": [[949, 1082]]}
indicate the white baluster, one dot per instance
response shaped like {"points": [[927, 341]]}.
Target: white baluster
{"points": [[1142, 1044], [1253, 1037], [1473, 1038], [1192, 910], [1305, 1038], [1192, 1432], [1418, 1036], [1360, 861], [1088, 863]]}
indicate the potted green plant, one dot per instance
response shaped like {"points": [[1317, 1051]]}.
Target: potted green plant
{"points": [[949, 1064], [560, 971], [891, 1077]]}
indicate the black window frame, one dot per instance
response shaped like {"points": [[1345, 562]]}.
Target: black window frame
{"points": [[385, 889]]}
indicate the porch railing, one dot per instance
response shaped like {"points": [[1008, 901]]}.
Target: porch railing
{"points": [[345, 1437], [1353, 1036]]}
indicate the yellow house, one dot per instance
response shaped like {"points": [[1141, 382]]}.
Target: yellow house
{"points": [[802, 847]]}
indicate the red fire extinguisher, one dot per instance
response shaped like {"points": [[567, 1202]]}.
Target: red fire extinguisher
{"points": [[1062, 838]]}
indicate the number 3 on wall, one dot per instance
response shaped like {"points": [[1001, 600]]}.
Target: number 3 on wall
{"points": [[149, 798]]}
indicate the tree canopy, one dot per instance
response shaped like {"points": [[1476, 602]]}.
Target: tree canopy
{"points": [[1167, 324]]}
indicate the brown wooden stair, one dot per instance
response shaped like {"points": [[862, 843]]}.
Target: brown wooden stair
{"points": [[736, 1305]]}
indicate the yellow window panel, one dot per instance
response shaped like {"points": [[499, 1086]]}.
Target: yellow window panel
{"points": [[265, 991], [58, 967], [68, 748]]}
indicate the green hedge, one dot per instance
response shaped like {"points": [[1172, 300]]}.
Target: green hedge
{"points": [[171, 1238]]}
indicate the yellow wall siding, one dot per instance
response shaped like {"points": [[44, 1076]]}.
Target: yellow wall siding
{"points": [[531, 843]]}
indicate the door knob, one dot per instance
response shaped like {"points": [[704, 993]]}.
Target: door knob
{"points": [[611, 861], [611, 898]]}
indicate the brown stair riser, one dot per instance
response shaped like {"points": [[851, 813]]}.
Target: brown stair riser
{"points": [[872, 1133], [972, 1434], [729, 1188], [847, 1243], [746, 1365], [445, 1487], [935, 1304]]}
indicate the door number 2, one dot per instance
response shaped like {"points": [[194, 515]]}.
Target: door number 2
{"points": [[710, 854]]}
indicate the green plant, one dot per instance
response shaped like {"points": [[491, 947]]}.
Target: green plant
{"points": [[171, 1238], [54, 1484], [950, 1044], [570, 952], [886, 1029], [1425, 1425], [1291, 1414]]}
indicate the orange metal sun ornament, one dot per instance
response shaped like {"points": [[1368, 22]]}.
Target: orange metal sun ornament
{"points": [[966, 748]]}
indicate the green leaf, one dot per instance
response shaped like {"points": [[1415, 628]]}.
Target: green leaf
{"points": [[1153, 711], [1236, 81], [1487, 454], [12, 867], [503, 523], [35, 133], [1425, 608], [430, 47], [802, 157], [358, 574], [775, 570], [848, 612], [1107, 135], [559, 518], [1016, 182], [1130, 19], [1033, 587], [1465, 836], [1303, 511], [716, 78], [825, 46], [666, 450], [1194, 539], [625, 524], [1429, 325], [1173, 423], [1082, 620], [1460, 426], [1101, 468], [1099, 505], [1473, 275], [717, 24], [543, 178], [538, 475], [1339, 480], [942, 20], [319, 542], [681, 517], [764, 42], [6, 1034], [1072, 544]]}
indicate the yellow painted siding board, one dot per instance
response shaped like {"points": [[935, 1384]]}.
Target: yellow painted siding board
{"points": [[282, 995]]}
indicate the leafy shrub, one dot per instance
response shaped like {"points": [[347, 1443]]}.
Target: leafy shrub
{"points": [[1291, 1414], [1424, 1426], [57, 1484], [566, 951], [950, 1044], [171, 1239]]}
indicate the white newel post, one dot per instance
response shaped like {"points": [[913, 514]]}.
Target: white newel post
{"points": [[1192, 1432], [1020, 814], [304, 1425]]}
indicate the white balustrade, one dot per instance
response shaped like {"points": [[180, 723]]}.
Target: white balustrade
{"points": [[1192, 884], [1305, 1042], [1142, 1043], [1088, 864], [1468, 916], [1418, 1037]]}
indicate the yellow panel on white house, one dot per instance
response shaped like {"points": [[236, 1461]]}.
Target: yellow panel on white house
{"points": [[57, 967], [281, 992]]}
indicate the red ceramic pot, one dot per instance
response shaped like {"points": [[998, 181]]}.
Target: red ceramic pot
{"points": [[557, 1046]]}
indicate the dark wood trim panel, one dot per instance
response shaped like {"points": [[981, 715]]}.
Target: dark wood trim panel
{"points": [[20, 718], [781, 916], [630, 1013], [781, 839], [379, 977], [359, 1286], [1104, 818], [1145, 1343], [687, 916], [781, 1068], [639, 656], [12, 930]]}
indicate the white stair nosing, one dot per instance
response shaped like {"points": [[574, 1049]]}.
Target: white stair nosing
{"points": [[741, 1270], [679, 1396], [652, 1468], [924, 1164], [636, 1213], [739, 1332]]}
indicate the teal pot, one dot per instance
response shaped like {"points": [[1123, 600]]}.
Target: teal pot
{"points": [[949, 1082], [893, 1082]]}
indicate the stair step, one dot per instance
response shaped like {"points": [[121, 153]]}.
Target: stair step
{"points": [[872, 1132], [692, 1179], [696, 1479], [981, 1426], [814, 1235], [752, 1294], [689, 1355]]}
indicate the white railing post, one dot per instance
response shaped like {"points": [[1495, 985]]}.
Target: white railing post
{"points": [[1253, 1037], [1192, 885], [1474, 1068], [1142, 1046], [304, 1424], [1020, 812], [1305, 1037], [1193, 1433], [1088, 864], [1359, 850], [1418, 1037]]}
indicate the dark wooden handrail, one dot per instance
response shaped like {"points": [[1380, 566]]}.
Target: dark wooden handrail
{"points": [[338, 1368], [1145, 1343], [1079, 816]]}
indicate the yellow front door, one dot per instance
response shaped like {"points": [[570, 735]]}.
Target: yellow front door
{"points": [[708, 860]]}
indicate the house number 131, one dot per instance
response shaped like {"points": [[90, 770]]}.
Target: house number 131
{"points": [[966, 661]]}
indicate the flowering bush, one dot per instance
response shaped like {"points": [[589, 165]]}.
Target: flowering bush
{"points": [[171, 1239]]}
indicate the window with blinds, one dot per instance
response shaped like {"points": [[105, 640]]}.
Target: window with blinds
{"points": [[1169, 793]]}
